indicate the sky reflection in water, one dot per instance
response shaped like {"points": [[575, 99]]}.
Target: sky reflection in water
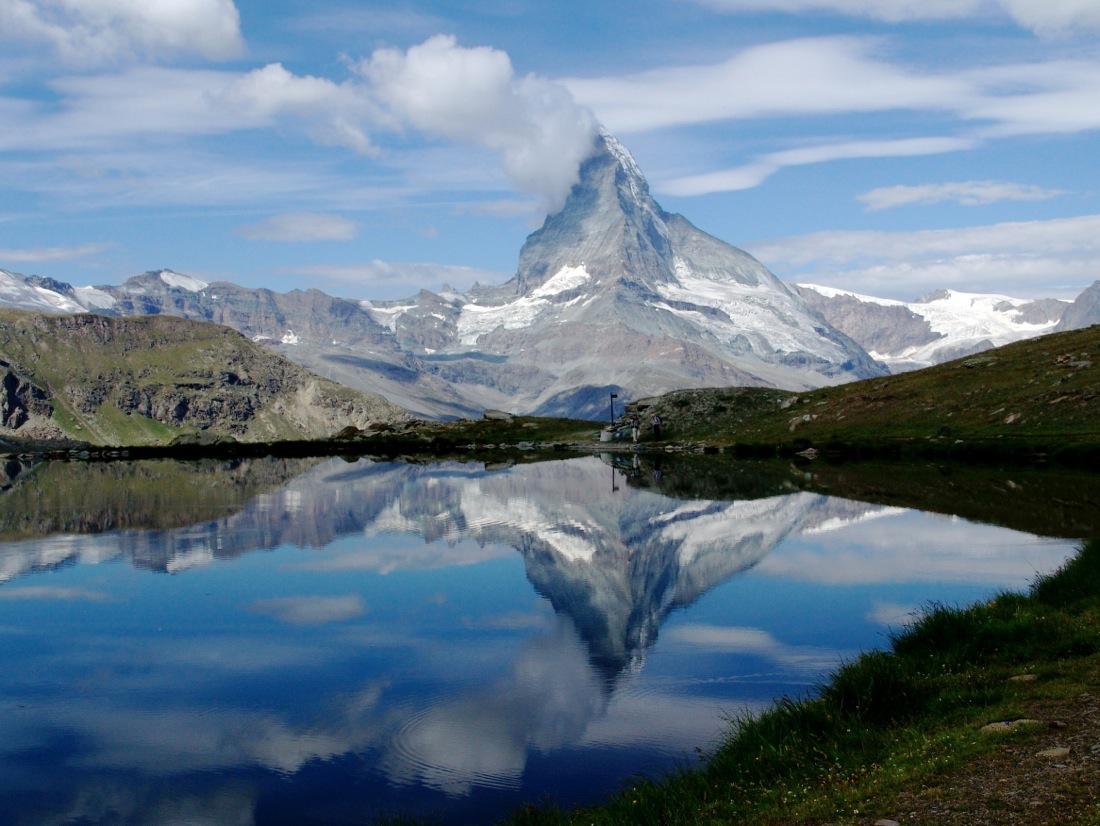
{"points": [[439, 640]]}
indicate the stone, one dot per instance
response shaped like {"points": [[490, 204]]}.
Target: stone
{"points": [[497, 416], [1006, 726], [886, 822], [1023, 678], [1054, 754]]}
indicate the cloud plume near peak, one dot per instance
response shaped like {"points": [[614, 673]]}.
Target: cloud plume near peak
{"points": [[473, 95]]}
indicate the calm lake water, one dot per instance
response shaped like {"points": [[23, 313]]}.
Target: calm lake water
{"points": [[324, 641]]}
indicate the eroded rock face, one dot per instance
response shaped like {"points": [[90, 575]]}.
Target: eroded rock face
{"points": [[20, 400]]}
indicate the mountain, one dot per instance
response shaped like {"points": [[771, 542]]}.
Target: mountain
{"points": [[945, 325], [1084, 311], [611, 294], [149, 380]]}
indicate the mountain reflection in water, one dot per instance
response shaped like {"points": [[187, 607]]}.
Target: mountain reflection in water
{"points": [[387, 655]]}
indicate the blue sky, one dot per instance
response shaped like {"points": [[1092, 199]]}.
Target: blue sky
{"points": [[893, 147]]}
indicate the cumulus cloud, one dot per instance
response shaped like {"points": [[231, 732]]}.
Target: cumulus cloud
{"points": [[967, 193], [1030, 258], [302, 226], [439, 89], [474, 95], [334, 112], [1046, 17], [311, 610], [91, 31]]}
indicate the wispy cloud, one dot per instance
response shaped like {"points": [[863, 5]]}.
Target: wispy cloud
{"points": [[1047, 17], [411, 274], [108, 30], [40, 254], [301, 226], [52, 592], [738, 640], [893, 614], [967, 193], [1027, 258], [812, 76], [311, 610], [755, 173], [818, 77]]}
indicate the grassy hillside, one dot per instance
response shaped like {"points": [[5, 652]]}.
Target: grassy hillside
{"points": [[149, 380], [1043, 390]]}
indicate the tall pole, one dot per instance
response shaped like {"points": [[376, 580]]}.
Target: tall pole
{"points": [[613, 397]]}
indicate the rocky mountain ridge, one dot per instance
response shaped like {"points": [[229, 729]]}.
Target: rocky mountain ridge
{"points": [[611, 294], [945, 325]]}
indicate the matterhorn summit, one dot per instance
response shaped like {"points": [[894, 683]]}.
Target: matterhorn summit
{"points": [[613, 293]]}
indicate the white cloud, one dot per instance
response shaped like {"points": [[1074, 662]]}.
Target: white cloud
{"points": [[1046, 17], [91, 31], [311, 610], [473, 95], [1029, 258], [41, 254], [302, 226], [755, 173], [967, 193]]}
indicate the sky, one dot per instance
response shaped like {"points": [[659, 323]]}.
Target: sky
{"points": [[890, 147]]}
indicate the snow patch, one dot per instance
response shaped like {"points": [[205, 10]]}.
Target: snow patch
{"points": [[768, 320], [182, 282], [477, 320], [290, 337], [92, 297]]}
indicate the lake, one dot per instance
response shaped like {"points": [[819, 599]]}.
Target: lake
{"points": [[292, 641]]}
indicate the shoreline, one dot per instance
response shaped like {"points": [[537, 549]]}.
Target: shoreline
{"points": [[979, 715]]}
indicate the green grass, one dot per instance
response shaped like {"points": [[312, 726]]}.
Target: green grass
{"points": [[886, 722]]}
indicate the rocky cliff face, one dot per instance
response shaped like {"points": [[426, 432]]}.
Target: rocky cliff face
{"points": [[1084, 311], [147, 380]]}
